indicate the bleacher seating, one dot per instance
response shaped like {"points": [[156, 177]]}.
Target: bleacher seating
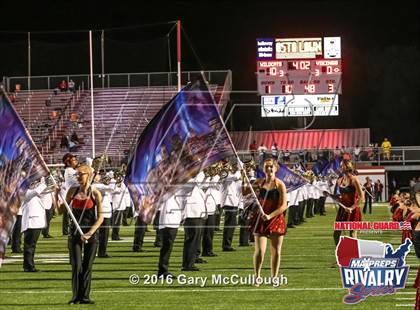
{"points": [[121, 114]]}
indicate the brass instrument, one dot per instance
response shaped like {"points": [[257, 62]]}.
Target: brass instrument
{"points": [[120, 174], [100, 162], [249, 166]]}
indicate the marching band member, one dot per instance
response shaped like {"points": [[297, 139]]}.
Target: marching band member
{"points": [[105, 190], [119, 205], [70, 163], [293, 208], [48, 200], [212, 199], [231, 198], [140, 227], [33, 221], [169, 222], [301, 199], [323, 185], [16, 239], [193, 214]]}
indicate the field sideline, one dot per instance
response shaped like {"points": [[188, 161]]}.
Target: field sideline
{"points": [[308, 252]]}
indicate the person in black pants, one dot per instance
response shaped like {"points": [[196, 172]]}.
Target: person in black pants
{"points": [[103, 235], [17, 235], [169, 221], [139, 232], [368, 189], [33, 221], [191, 242], [230, 223], [168, 238], [158, 237], [82, 248]]}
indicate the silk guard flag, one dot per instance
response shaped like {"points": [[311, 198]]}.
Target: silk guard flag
{"points": [[20, 165], [291, 179], [333, 167], [186, 136], [319, 166]]}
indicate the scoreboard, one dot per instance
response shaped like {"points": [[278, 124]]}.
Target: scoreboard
{"points": [[302, 67]]}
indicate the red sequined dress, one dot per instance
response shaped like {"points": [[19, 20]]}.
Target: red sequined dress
{"points": [[348, 197], [269, 200]]}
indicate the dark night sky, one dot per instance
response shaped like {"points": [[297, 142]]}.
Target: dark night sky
{"points": [[380, 49]]}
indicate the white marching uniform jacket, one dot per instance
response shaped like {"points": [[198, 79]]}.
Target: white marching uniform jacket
{"points": [[70, 181], [33, 211], [47, 200], [194, 205], [213, 194], [171, 211], [232, 190], [106, 191], [119, 199]]}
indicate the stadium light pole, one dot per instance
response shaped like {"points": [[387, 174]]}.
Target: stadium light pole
{"points": [[91, 93], [178, 44]]}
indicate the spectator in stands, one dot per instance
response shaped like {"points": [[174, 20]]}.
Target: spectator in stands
{"points": [[12, 97], [274, 150], [63, 86], [71, 86], [48, 102], [301, 155], [54, 115], [253, 148], [379, 187], [74, 138], [356, 153], [386, 148], [64, 142], [337, 152], [261, 150], [73, 147], [286, 156]]}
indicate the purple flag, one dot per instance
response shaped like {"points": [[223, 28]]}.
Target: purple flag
{"points": [[20, 165], [186, 136]]}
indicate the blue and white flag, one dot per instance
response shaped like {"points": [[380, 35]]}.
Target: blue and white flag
{"points": [[319, 166], [291, 179], [20, 165], [186, 136], [332, 167]]}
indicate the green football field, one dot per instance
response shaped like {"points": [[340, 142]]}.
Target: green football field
{"points": [[307, 256]]}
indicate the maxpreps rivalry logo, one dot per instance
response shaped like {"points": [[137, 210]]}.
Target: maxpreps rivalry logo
{"points": [[371, 268]]}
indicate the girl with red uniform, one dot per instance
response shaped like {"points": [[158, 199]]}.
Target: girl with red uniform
{"points": [[270, 224], [350, 196]]}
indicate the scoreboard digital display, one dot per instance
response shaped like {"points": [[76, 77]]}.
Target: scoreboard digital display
{"points": [[299, 66]]}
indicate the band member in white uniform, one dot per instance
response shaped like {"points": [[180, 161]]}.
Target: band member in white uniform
{"points": [[169, 222], [105, 190], [212, 199], [232, 196], [193, 215], [33, 221], [70, 162]]}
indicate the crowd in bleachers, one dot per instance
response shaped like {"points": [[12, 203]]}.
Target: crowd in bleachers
{"points": [[358, 153]]}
